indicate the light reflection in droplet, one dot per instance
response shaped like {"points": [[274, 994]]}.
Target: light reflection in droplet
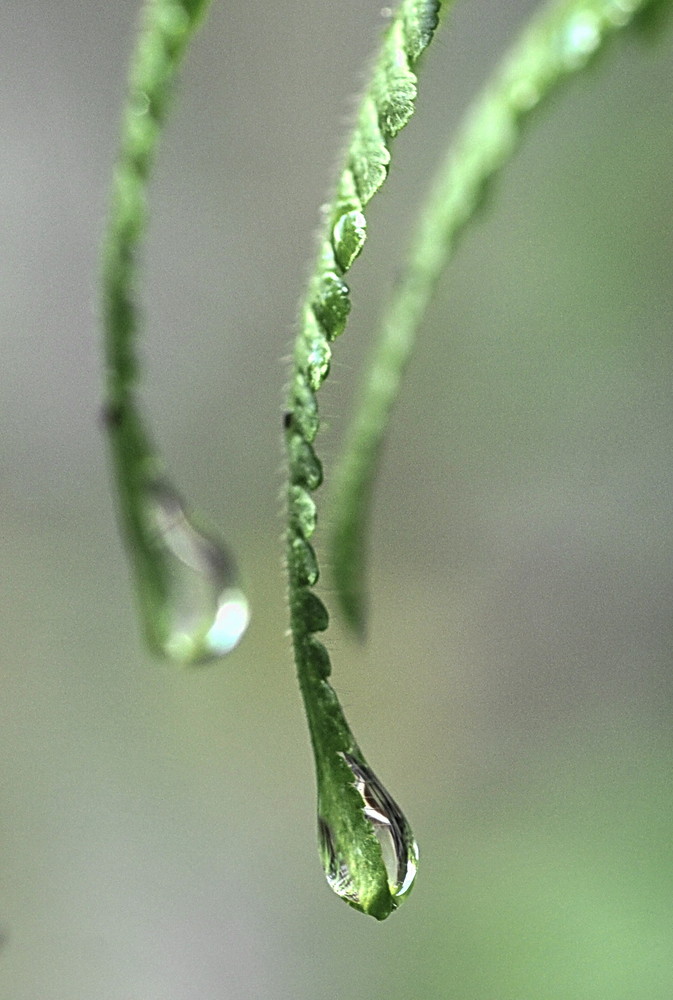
{"points": [[206, 612], [337, 874], [347, 869], [231, 621], [398, 847], [581, 37]]}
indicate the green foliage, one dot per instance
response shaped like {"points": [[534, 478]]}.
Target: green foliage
{"points": [[560, 40], [192, 606], [353, 851]]}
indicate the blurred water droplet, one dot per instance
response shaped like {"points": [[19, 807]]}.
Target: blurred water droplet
{"points": [[206, 612], [581, 37]]}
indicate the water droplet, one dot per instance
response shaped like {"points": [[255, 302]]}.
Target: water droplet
{"points": [[206, 612], [398, 847], [373, 885], [581, 37], [336, 867]]}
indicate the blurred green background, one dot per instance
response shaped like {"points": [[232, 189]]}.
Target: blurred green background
{"points": [[157, 827]]}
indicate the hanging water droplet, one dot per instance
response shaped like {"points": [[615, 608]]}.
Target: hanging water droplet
{"points": [[580, 39], [337, 872], [398, 847], [375, 885], [205, 613]]}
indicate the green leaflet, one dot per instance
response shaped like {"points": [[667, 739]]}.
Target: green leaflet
{"points": [[192, 607], [560, 40], [367, 847]]}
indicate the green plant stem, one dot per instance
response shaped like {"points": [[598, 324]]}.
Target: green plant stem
{"points": [[150, 513], [351, 846], [560, 40]]}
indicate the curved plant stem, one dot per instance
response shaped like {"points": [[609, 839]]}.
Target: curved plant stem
{"points": [[191, 605], [368, 849], [559, 41]]}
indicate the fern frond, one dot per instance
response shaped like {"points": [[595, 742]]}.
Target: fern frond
{"points": [[559, 41], [192, 607], [369, 853]]}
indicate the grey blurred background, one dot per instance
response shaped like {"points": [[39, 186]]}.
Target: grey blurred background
{"points": [[157, 827]]}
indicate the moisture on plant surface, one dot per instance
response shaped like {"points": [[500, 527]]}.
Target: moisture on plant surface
{"points": [[206, 612], [399, 851]]}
